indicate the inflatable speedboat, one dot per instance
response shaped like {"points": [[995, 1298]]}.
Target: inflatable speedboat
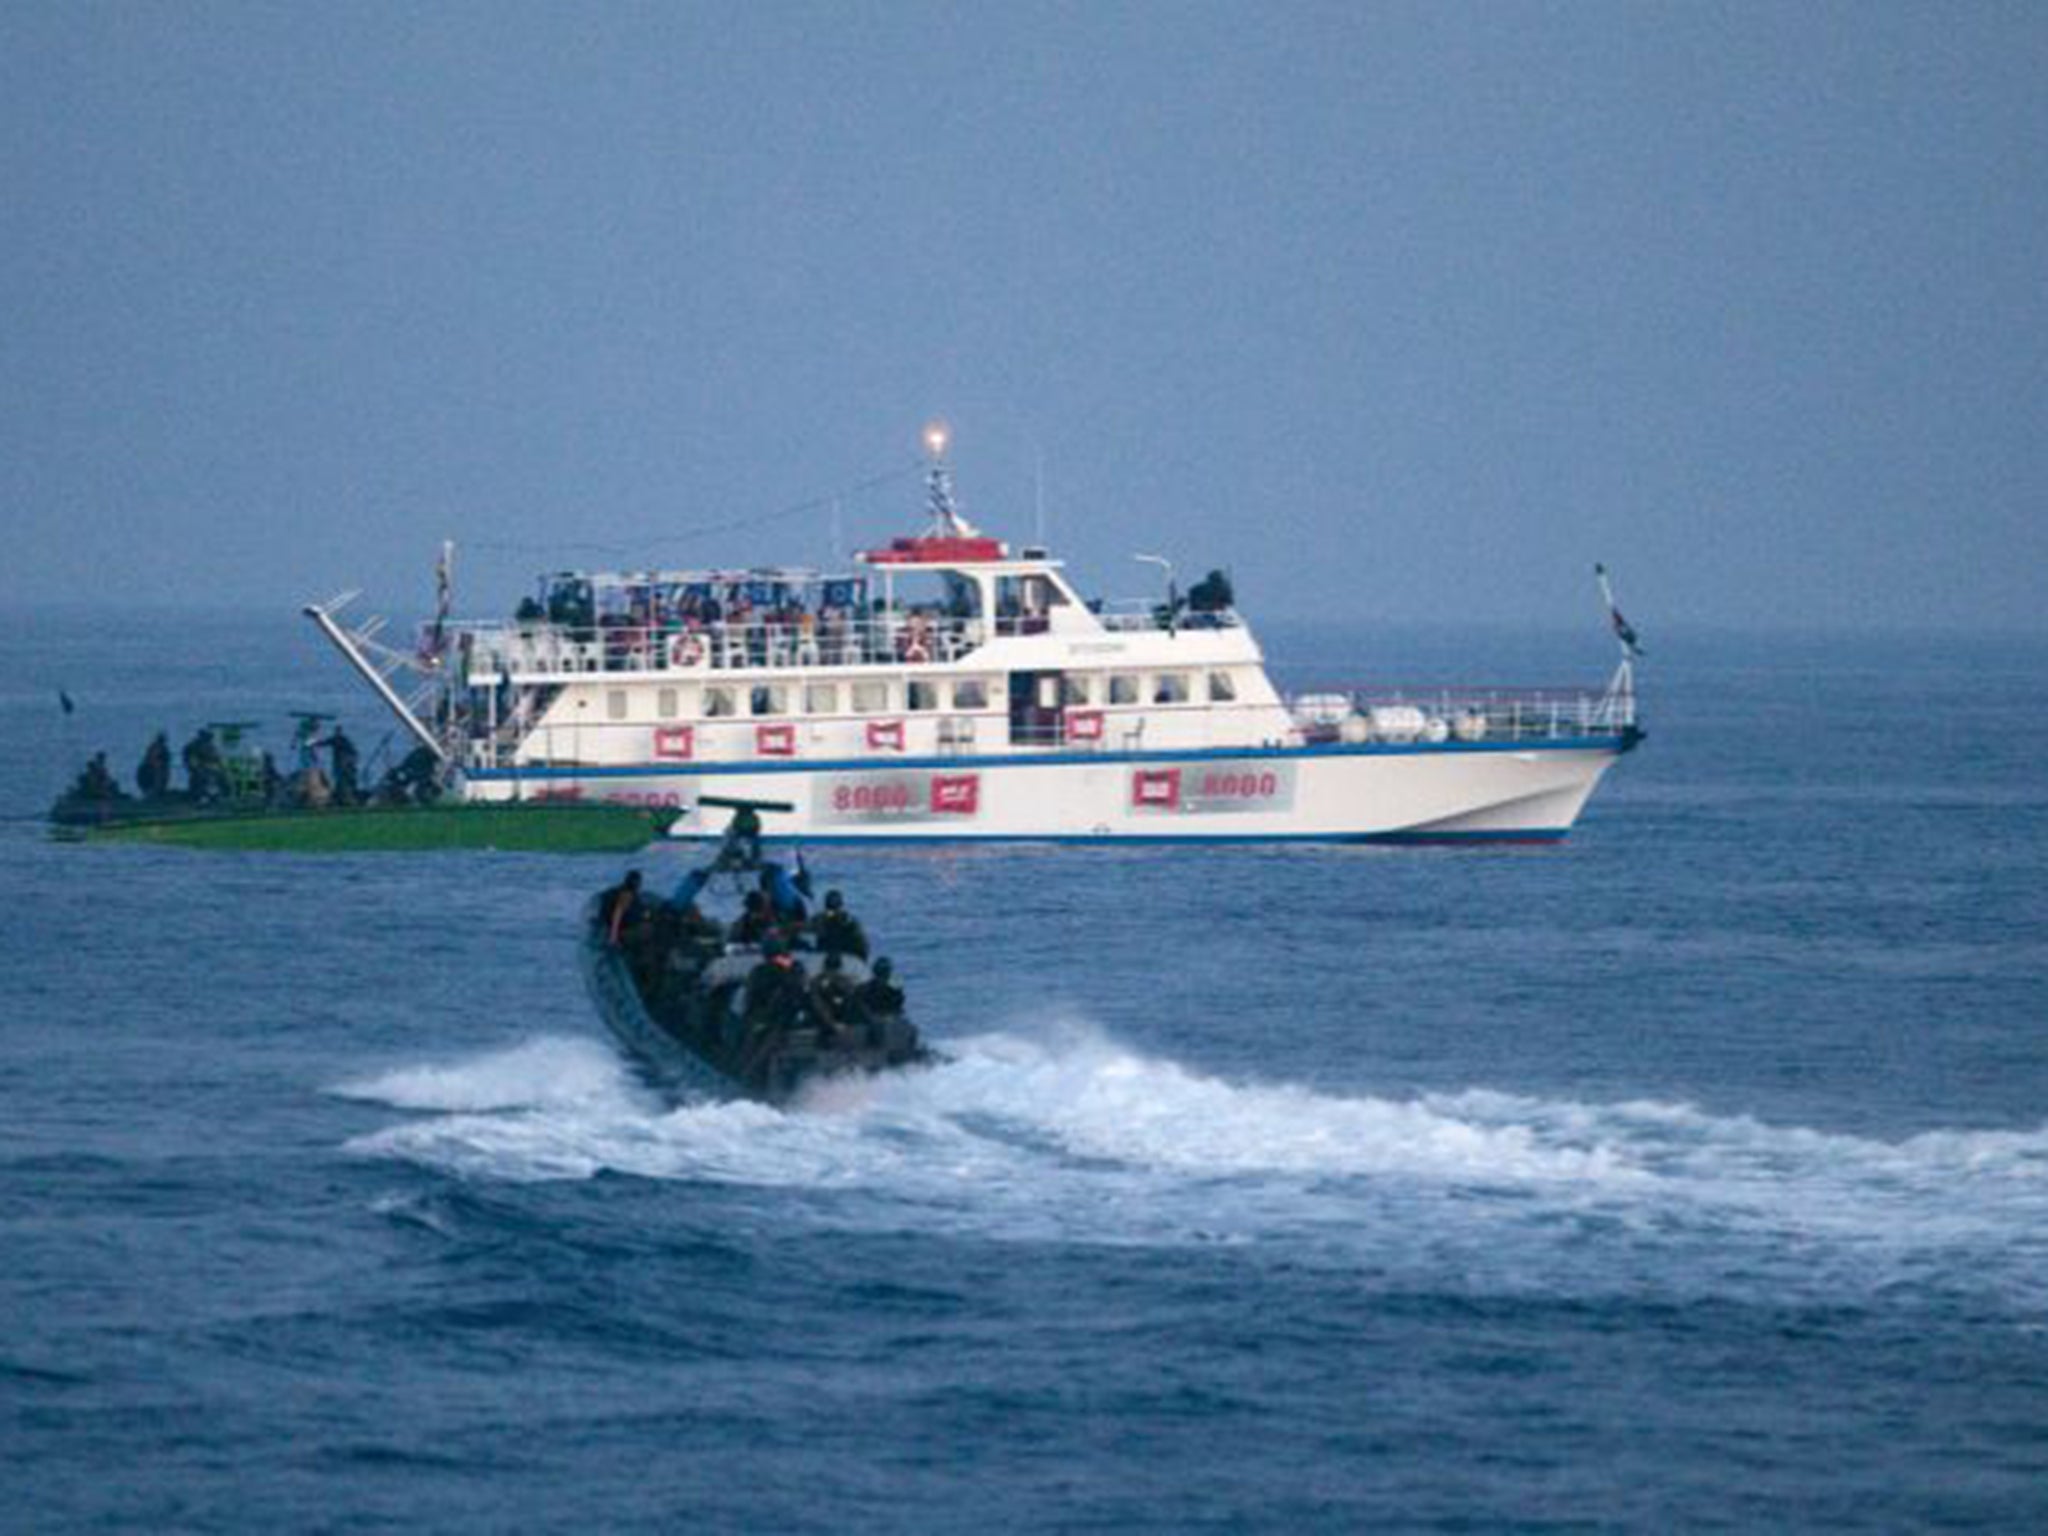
{"points": [[762, 1005]]}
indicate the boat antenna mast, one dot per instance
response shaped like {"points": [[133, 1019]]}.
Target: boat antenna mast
{"points": [[1620, 702], [381, 665], [947, 523]]}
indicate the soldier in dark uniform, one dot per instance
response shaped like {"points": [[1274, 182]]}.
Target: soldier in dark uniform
{"points": [[690, 941], [773, 1005], [1211, 594], [879, 998], [831, 997], [837, 931], [342, 753], [696, 931], [97, 782], [618, 908], [412, 781], [776, 990], [205, 774], [645, 941], [756, 920], [153, 773]]}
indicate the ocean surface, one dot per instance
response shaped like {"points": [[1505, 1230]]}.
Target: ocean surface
{"points": [[1690, 1175]]}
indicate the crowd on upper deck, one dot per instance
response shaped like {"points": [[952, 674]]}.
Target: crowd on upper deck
{"points": [[751, 621], [759, 619]]}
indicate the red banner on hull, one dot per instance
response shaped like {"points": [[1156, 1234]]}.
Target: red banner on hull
{"points": [[1156, 789]]}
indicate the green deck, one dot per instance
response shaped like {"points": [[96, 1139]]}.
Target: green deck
{"points": [[394, 829]]}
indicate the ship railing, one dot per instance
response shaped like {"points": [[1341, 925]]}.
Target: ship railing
{"points": [[1463, 714], [889, 639], [1138, 614]]}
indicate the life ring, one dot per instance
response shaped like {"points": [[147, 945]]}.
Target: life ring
{"points": [[686, 650]]}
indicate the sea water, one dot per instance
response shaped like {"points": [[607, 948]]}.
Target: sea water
{"points": [[1691, 1174]]}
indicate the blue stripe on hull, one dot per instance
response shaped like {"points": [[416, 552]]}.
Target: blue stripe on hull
{"points": [[1549, 835], [962, 761]]}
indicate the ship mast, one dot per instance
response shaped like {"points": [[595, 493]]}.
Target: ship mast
{"points": [[947, 523], [1620, 702]]}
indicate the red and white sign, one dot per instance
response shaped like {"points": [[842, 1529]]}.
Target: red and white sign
{"points": [[1155, 789], [1084, 725], [894, 795], [1227, 788], [675, 743], [885, 735], [775, 740], [956, 794]]}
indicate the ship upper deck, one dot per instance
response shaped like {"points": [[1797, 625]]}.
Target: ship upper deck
{"points": [[917, 602]]}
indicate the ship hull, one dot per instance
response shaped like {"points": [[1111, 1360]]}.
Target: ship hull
{"points": [[593, 827], [1448, 792]]}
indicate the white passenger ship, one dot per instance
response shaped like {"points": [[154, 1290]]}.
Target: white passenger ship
{"points": [[949, 688]]}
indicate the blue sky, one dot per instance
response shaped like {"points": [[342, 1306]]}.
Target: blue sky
{"points": [[1400, 311]]}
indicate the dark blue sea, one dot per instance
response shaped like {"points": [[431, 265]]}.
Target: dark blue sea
{"points": [[1690, 1175]]}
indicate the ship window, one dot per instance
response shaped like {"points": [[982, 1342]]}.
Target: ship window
{"points": [[665, 703], [821, 698], [1123, 688], [615, 704], [1075, 690], [1170, 688], [922, 696], [1026, 596], [769, 699], [970, 693], [718, 701], [1222, 688], [870, 698]]}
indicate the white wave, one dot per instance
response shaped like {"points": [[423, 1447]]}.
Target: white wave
{"points": [[1071, 1135], [547, 1072], [1099, 1100]]}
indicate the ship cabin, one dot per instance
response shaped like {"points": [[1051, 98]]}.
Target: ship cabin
{"points": [[942, 644]]}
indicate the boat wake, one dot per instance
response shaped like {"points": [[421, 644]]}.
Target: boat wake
{"points": [[1072, 1137]]}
